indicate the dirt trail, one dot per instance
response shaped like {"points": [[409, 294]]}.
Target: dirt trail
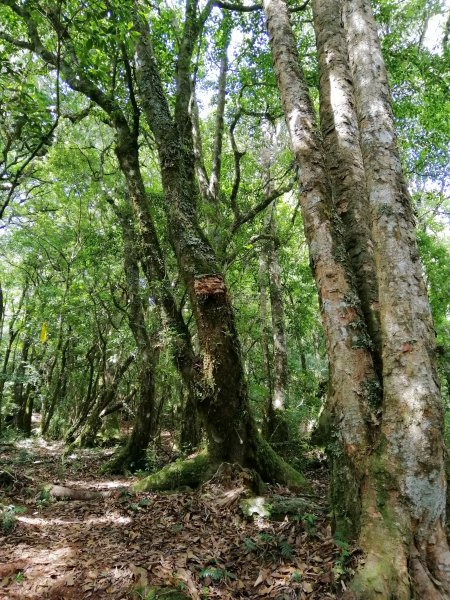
{"points": [[120, 545]]}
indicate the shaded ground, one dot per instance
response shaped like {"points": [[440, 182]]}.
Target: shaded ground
{"points": [[121, 545]]}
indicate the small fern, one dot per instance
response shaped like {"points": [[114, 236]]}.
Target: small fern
{"points": [[216, 574]]}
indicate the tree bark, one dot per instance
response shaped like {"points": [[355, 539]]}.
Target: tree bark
{"points": [[411, 441], [133, 455], [276, 426], [352, 376], [12, 335], [214, 179], [265, 330], [19, 375], [225, 408], [59, 388], [344, 162]]}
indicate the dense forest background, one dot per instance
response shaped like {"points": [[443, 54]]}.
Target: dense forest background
{"points": [[65, 330], [99, 335]]}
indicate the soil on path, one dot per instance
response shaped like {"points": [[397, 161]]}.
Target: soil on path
{"points": [[121, 545]]}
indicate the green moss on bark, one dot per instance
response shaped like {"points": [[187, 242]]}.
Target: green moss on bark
{"points": [[274, 469], [190, 472], [266, 464]]}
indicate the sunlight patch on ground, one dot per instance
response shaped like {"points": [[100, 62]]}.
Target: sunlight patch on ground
{"points": [[114, 517]]}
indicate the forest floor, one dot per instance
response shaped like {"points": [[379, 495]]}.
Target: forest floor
{"points": [[122, 544]]}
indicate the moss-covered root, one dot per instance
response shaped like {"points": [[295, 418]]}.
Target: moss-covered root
{"points": [[273, 469], [190, 472], [118, 465]]}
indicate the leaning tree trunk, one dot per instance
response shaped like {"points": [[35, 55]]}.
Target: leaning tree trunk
{"points": [[224, 407], [107, 394], [411, 445], [352, 376]]}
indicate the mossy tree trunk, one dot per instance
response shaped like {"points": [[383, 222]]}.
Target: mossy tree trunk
{"points": [[388, 456], [344, 161], [411, 444], [232, 435]]}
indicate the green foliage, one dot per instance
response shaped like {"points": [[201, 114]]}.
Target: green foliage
{"points": [[340, 567], [216, 574], [8, 517], [43, 497], [61, 245]]}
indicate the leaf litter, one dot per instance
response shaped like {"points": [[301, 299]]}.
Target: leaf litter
{"points": [[122, 545]]}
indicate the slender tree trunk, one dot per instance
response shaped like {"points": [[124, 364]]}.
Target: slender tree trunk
{"points": [[25, 398], [214, 180], [86, 438], [59, 388], [19, 375], [191, 433], [265, 330], [133, 455], [344, 162], [87, 402], [11, 339], [411, 442], [152, 261], [277, 429]]}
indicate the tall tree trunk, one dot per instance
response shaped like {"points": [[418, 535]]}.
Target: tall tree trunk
{"points": [[88, 400], [277, 425], [19, 376], [13, 332], [224, 407], [214, 180], [59, 388], [152, 261], [133, 455], [277, 429], [265, 330], [25, 398], [344, 162], [352, 376], [411, 447]]}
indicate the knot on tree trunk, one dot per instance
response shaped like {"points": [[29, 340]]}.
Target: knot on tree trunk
{"points": [[209, 285]]}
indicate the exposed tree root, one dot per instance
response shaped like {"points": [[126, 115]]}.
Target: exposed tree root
{"points": [[190, 472], [193, 471], [273, 469]]}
